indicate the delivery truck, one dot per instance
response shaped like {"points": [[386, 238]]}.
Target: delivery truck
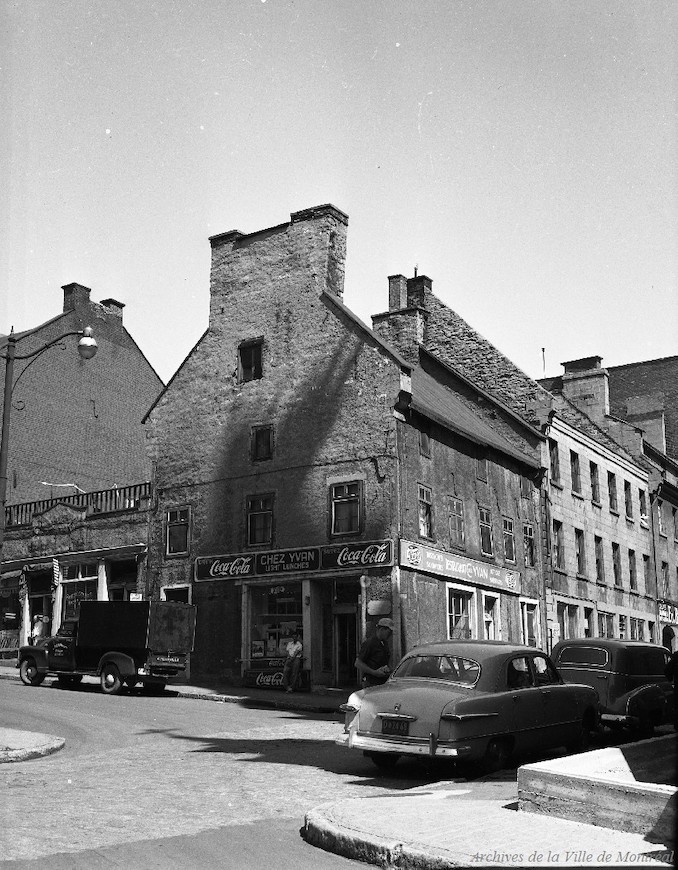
{"points": [[123, 643]]}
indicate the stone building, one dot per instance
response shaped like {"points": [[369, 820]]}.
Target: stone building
{"points": [[78, 487], [311, 477], [642, 418], [581, 596]]}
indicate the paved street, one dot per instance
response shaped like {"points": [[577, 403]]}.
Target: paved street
{"points": [[168, 781]]}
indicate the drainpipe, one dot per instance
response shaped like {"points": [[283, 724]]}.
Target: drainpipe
{"points": [[364, 583]]}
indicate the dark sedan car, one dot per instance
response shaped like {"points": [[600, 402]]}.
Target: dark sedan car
{"points": [[477, 701], [627, 675]]}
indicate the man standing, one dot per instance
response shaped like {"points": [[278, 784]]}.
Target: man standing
{"points": [[292, 662], [374, 655]]}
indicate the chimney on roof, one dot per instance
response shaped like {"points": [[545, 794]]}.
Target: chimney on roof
{"points": [[75, 296], [586, 385], [397, 292], [417, 288], [113, 307]]}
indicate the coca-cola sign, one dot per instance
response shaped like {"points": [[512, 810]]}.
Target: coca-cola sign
{"points": [[374, 554], [358, 555]]}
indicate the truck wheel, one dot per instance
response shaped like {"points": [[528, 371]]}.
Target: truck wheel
{"points": [[111, 681], [29, 673]]}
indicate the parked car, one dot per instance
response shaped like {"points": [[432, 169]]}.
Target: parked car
{"points": [[628, 676], [473, 701]]}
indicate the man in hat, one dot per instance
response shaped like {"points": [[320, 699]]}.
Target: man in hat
{"points": [[374, 655]]}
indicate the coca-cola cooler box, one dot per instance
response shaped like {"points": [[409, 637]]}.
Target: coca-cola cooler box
{"points": [[268, 674]]}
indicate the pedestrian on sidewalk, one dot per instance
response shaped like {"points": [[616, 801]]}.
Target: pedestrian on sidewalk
{"points": [[374, 656], [292, 664]]}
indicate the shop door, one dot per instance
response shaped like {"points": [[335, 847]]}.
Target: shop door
{"points": [[345, 646]]}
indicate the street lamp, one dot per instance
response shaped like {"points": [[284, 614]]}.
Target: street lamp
{"points": [[87, 347]]}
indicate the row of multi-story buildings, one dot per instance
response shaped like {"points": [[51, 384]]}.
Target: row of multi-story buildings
{"points": [[302, 471]]}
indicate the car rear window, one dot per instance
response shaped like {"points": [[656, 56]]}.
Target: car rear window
{"points": [[593, 656], [440, 667], [647, 662]]}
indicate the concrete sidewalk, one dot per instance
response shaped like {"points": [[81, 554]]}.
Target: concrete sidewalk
{"points": [[439, 829], [326, 701]]}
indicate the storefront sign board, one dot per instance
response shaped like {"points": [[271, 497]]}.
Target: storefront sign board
{"points": [[668, 612], [363, 554], [419, 557]]}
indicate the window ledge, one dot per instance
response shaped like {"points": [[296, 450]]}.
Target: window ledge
{"points": [[582, 577], [576, 494], [557, 484], [614, 512], [630, 520], [562, 571], [596, 504]]}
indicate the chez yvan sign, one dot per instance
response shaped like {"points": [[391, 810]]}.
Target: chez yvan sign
{"points": [[235, 566]]}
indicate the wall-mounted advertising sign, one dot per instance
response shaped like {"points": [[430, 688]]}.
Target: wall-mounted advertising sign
{"points": [[419, 557], [236, 566]]}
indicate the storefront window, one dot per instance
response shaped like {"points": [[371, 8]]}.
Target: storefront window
{"points": [[80, 584], [275, 614]]}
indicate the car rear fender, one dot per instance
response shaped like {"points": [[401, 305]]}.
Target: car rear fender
{"points": [[648, 698]]}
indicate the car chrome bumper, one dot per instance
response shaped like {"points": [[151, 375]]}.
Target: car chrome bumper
{"points": [[376, 743]]}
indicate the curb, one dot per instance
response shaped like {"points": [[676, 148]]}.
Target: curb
{"points": [[320, 830], [243, 700], [54, 744]]}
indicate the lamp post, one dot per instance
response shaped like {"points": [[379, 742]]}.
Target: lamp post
{"points": [[87, 347]]}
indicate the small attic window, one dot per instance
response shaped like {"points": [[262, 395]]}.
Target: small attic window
{"points": [[249, 360]]}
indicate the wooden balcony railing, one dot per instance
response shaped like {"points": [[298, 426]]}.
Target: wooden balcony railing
{"points": [[105, 501]]}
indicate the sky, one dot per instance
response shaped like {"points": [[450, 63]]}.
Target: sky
{"points": [[521, 153]]}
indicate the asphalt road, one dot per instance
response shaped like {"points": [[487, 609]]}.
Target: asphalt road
{"points": [[146, 782]]}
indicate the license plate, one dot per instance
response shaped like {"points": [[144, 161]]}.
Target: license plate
{"points": [[395, 726]]}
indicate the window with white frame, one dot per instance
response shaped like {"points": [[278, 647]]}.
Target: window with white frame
{"points": [[528, 544], [80, 583], [568, 616], [460, 613], [605, 624], [486, 543], [491, 626], [660, 518], [456, 519], [425, 512], [509, 539], [529, 622], [345, 501], [622, 627], [177, 527]]}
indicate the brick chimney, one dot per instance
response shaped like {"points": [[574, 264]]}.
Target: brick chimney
{"points": [[75, 296], [586, 385], [113, 307]]}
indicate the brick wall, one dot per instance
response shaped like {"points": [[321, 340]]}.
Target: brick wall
{"points": [[79, 421]]}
